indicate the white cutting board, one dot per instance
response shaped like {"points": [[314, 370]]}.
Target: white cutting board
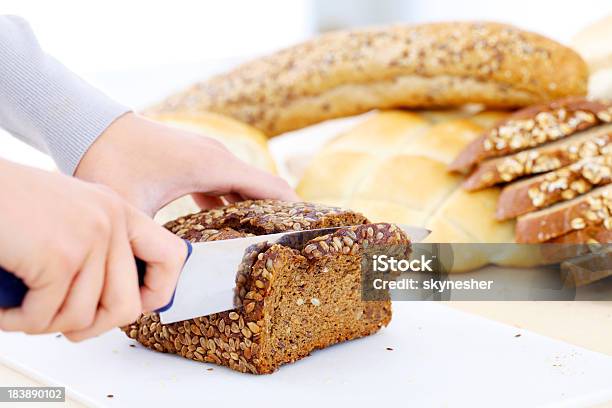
{"points": [[441, 357]]}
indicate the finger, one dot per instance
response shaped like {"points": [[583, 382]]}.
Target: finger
{"points": [[78, 311], [207, 202], [40, 304], [164, 254], [120, 301], [250, 182]]}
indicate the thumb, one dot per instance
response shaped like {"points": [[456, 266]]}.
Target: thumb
{"points": [[163, 252]]}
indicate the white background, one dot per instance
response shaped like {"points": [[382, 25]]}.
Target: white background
{"points": [[92, 36]]}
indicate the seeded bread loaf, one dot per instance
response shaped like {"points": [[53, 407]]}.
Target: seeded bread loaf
{"points": [[547, 157], [349, 72], [247, 143], [534, 126], [290, 299], [592, 209], [534, 193], [568, 143]]}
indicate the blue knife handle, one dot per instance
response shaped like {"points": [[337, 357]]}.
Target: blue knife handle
{"points": [[13, 290]]}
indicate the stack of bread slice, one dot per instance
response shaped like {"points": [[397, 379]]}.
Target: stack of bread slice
{"points": [[555, 160]]}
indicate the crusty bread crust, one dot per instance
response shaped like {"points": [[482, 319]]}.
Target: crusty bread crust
{"points": [[534, 193], [589, 235], [548, 157], [588, 210], [350, 72], [532, 127]]}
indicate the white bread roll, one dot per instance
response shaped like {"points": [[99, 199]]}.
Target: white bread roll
{"points": [[393, 167], [594, 43]]}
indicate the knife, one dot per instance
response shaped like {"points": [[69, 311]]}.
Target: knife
{"points": [[206, 283]]}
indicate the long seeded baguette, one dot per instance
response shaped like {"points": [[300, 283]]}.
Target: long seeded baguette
{"points": [[350, 72], [551, 156], [291, 298], [590, 209], [534, 126], [534, 193]]}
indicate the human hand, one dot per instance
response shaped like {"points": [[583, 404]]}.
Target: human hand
{"points": [[73, 244], [151, 164]]}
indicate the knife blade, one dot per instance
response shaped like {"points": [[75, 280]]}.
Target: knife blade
{"points": [[206, 284]]}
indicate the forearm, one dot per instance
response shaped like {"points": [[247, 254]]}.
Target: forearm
{"points": [[8, 171], [45, 104]]}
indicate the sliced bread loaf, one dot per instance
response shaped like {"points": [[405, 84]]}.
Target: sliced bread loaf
{"points": [[290, 299]]}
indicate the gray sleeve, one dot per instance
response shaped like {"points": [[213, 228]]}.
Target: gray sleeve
{"points": [[45, 104]]}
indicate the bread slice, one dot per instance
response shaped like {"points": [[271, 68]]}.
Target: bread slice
{"points": [[291, 298], [591, 209], [533, 126], [538, 192], [595, 234], [345, 73], [551, 156], [588, 268]]}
